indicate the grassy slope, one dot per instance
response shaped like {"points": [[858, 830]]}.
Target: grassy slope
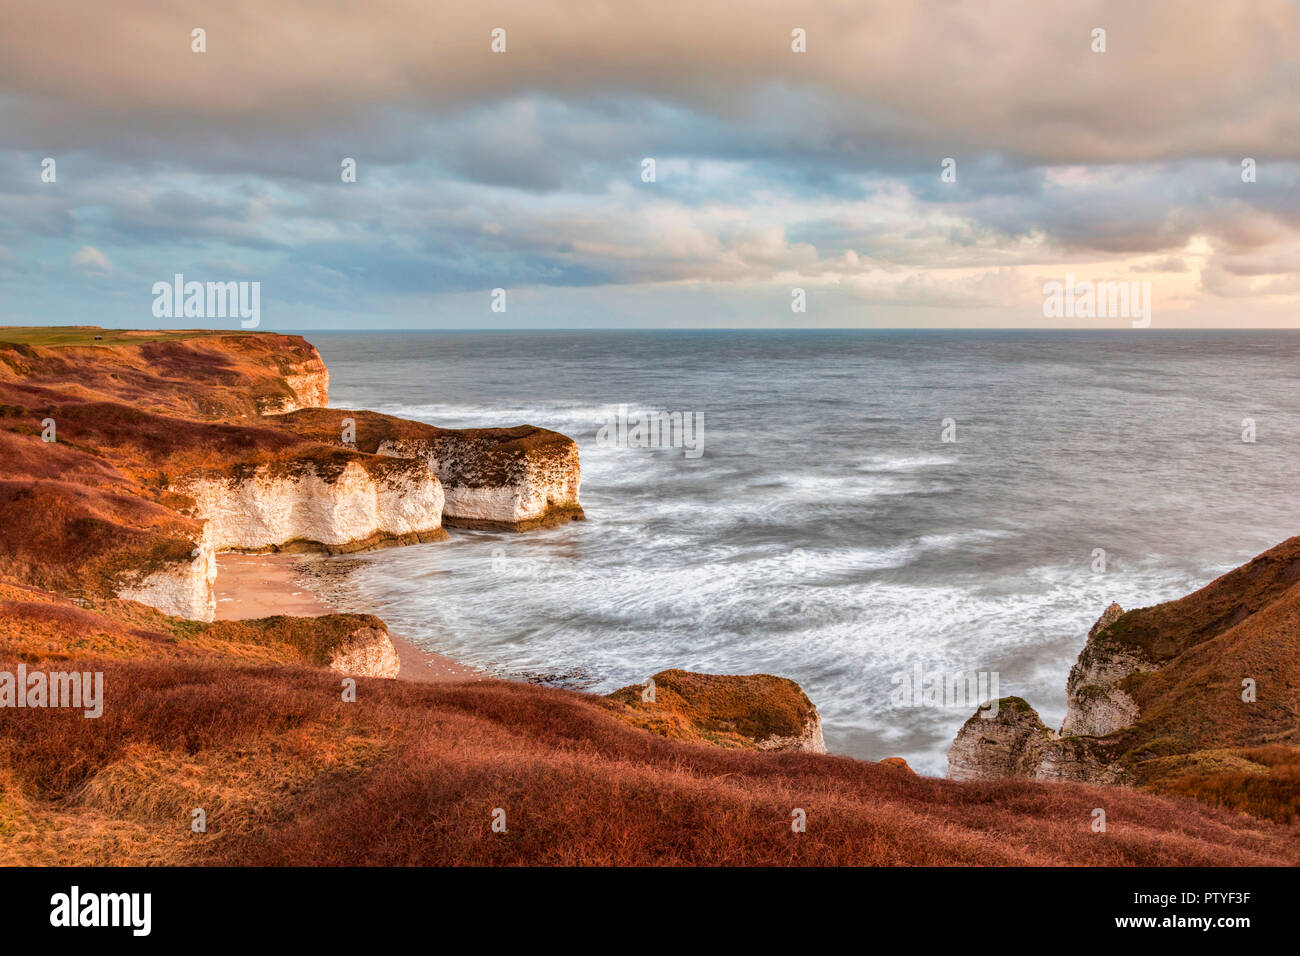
{"points": [[288, 773], [93, 335], [45, 629]]}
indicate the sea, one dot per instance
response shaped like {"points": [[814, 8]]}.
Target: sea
{"points": [[876, 514]]}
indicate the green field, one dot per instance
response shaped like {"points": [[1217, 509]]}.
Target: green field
{"points": [[51, 335]]}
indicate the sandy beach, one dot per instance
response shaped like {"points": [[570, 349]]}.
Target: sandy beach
{"points": [[261, 585]]}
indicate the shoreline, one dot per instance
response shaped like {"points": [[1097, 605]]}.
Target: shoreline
{"points": [[263, 585]]}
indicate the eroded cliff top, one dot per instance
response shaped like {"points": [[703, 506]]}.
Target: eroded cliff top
{"points": [[752, 711], [194, 374]]}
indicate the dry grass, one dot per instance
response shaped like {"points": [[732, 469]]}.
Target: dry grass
{"points": [[1261, 781], [410, 774], [37, 626]]}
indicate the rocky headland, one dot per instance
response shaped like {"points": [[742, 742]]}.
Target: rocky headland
{"points": [[515, 479], [1198, 696], [160, 450]]}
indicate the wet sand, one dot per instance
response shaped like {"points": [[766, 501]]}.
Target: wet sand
{"points": [[261, 585]]}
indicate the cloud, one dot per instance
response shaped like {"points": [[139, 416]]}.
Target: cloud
{"points": [[976, 76], [89, 257], [522, 170]]}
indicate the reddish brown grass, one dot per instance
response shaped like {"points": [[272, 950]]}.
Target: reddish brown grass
{"points": [[411, 774], [727, 711]]}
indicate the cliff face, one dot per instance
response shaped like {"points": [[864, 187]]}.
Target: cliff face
{"points": [[1096, 704], [1199, 696], [309, 381], [301, 505], [488, 488], [514, 479], [1016, 743], [181, 588], [1010, 743]]}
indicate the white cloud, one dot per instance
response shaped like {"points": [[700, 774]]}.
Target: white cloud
{"points": [[89, 257]]}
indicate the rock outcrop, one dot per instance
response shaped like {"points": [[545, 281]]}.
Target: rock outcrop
{"points": [[513, 479], [491, 486], [1009, 743], [1199, 696], [366, 652], [182, 588], [754, 711], [319, 505], [1095, 703], [1014, 742]]}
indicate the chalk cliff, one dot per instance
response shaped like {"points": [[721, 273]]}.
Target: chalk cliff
{"points": [[309, 382], [514, 479], [489, 487], [1096, 705], [1014, 742], [319, 505], [181, 588]]}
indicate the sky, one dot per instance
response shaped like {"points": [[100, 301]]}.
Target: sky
{"points": [[775, 169]]}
